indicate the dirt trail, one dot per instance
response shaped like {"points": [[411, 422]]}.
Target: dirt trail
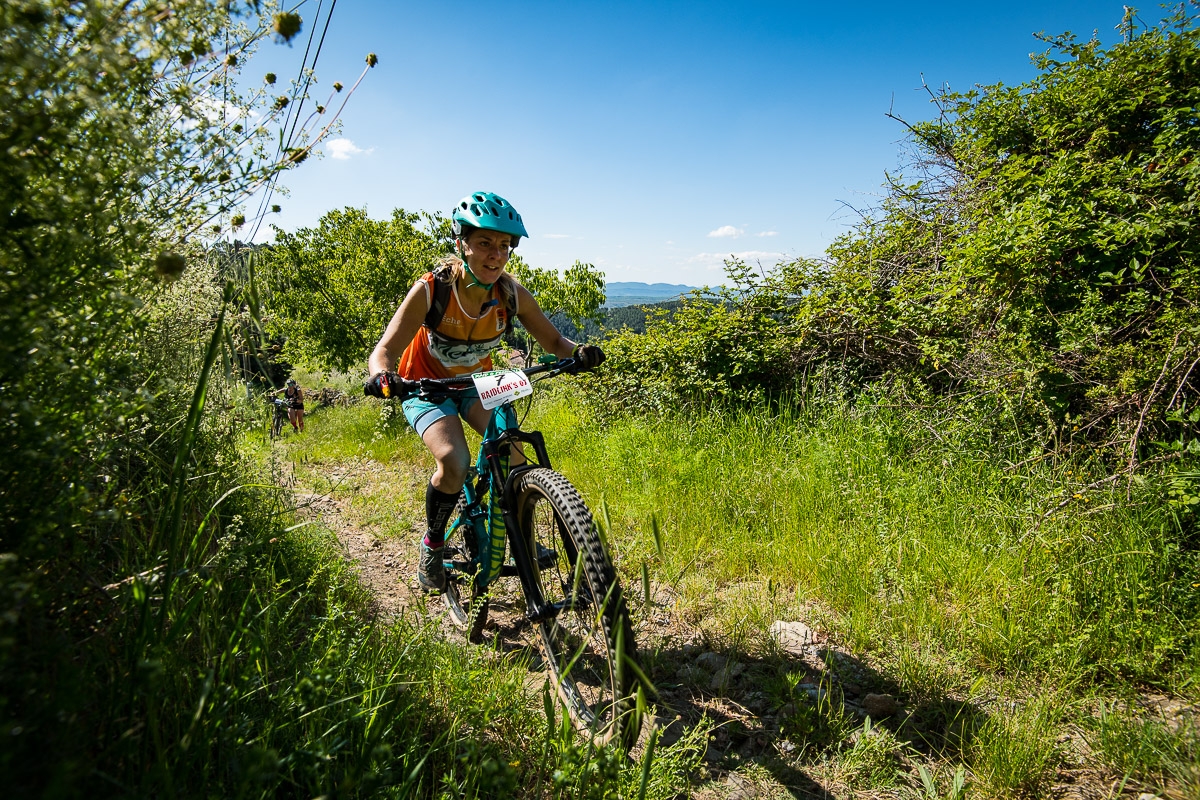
{"points": [[384, 565], [694, 683]]}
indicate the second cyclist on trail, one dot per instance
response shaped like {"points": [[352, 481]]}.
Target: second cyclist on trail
{"points": [[295, 399], [442, 334]]}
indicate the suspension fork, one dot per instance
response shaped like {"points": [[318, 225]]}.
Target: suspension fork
{"points": [[495, 452]]}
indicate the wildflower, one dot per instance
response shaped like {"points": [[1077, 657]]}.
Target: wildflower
{"points": [[286, 25]]}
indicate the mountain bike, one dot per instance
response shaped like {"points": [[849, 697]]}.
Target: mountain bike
{"points": [[568, 585], [280, 416]]}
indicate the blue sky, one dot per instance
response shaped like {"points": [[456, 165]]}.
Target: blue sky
{"points": [[653, 140]]}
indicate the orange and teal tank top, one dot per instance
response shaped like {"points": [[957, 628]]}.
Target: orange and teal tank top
{"points": [[462, 344]]}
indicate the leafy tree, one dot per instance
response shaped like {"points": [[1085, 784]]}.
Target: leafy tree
{"points": [[336, 286], [1037, 266], [1049, 257], [577, 294], [572, 301]]}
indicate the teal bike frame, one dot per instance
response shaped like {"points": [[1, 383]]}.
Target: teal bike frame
{"points": [[492, 479]]}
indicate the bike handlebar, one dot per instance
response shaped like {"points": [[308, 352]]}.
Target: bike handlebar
{"points": [[435, 388]]}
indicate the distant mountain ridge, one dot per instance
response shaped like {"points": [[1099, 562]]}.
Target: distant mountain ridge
{"points": [[631, 293]]}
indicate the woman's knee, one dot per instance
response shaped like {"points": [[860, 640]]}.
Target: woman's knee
{"points": [[452, 472]]}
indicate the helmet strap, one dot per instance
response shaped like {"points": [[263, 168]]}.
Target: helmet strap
{"points": [[475, 278]]}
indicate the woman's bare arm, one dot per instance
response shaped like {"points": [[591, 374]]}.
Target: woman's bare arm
{"points": [[400, 331], [540, 327]]}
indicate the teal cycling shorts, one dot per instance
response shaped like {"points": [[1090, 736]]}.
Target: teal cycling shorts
{"points": [[422, 413]]}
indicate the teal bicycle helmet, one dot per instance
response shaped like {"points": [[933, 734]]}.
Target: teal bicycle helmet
{"points": [[490, 212]]}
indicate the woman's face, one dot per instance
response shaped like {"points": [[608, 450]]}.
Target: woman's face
{"points": [[486, 252]]}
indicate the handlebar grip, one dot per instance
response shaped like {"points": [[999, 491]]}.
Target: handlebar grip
{"points": [[389, 385]]}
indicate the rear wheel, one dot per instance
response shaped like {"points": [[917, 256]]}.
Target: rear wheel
{"points": [[465, 601], [589, 645]]}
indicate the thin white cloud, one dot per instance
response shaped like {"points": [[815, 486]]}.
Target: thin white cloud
{"points": [[716, 261], [725, 231], [768, 233], [343, 149], [556, 236]]}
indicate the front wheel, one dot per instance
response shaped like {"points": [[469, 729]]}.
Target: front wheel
{"points": [[276, 424], [589, 644]]}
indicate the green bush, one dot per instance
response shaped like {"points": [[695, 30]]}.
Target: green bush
{"points": [[714, 348], [1037, 270]]}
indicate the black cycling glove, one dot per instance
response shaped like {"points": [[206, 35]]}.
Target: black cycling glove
{"points": [[387, 384], [589, 356]]}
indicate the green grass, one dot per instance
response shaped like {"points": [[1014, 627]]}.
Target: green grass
{"points": [[995, 627], [932, 561], [1147, 751], [900, 542]]}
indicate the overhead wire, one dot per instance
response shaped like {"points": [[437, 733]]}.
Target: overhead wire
{"points": [[300, 90]]}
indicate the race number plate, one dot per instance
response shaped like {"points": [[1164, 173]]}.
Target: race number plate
{"points": [[499, 387]]}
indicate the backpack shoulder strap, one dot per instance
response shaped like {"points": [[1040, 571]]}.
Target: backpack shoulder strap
{"points": [[442, 280], [510, 312], [439, 298]]}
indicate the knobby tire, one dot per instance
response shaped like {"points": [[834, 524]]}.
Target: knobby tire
{"points": [[589, 646]]}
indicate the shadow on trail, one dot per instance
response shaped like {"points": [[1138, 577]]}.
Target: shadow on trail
{"points": [[777, 712], [782, 711]]}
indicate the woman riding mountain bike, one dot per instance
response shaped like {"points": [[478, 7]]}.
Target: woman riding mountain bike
{"points": [[451, 330]]}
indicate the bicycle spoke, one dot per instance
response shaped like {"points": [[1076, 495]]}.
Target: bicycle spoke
{"points": [[589, 642]]}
